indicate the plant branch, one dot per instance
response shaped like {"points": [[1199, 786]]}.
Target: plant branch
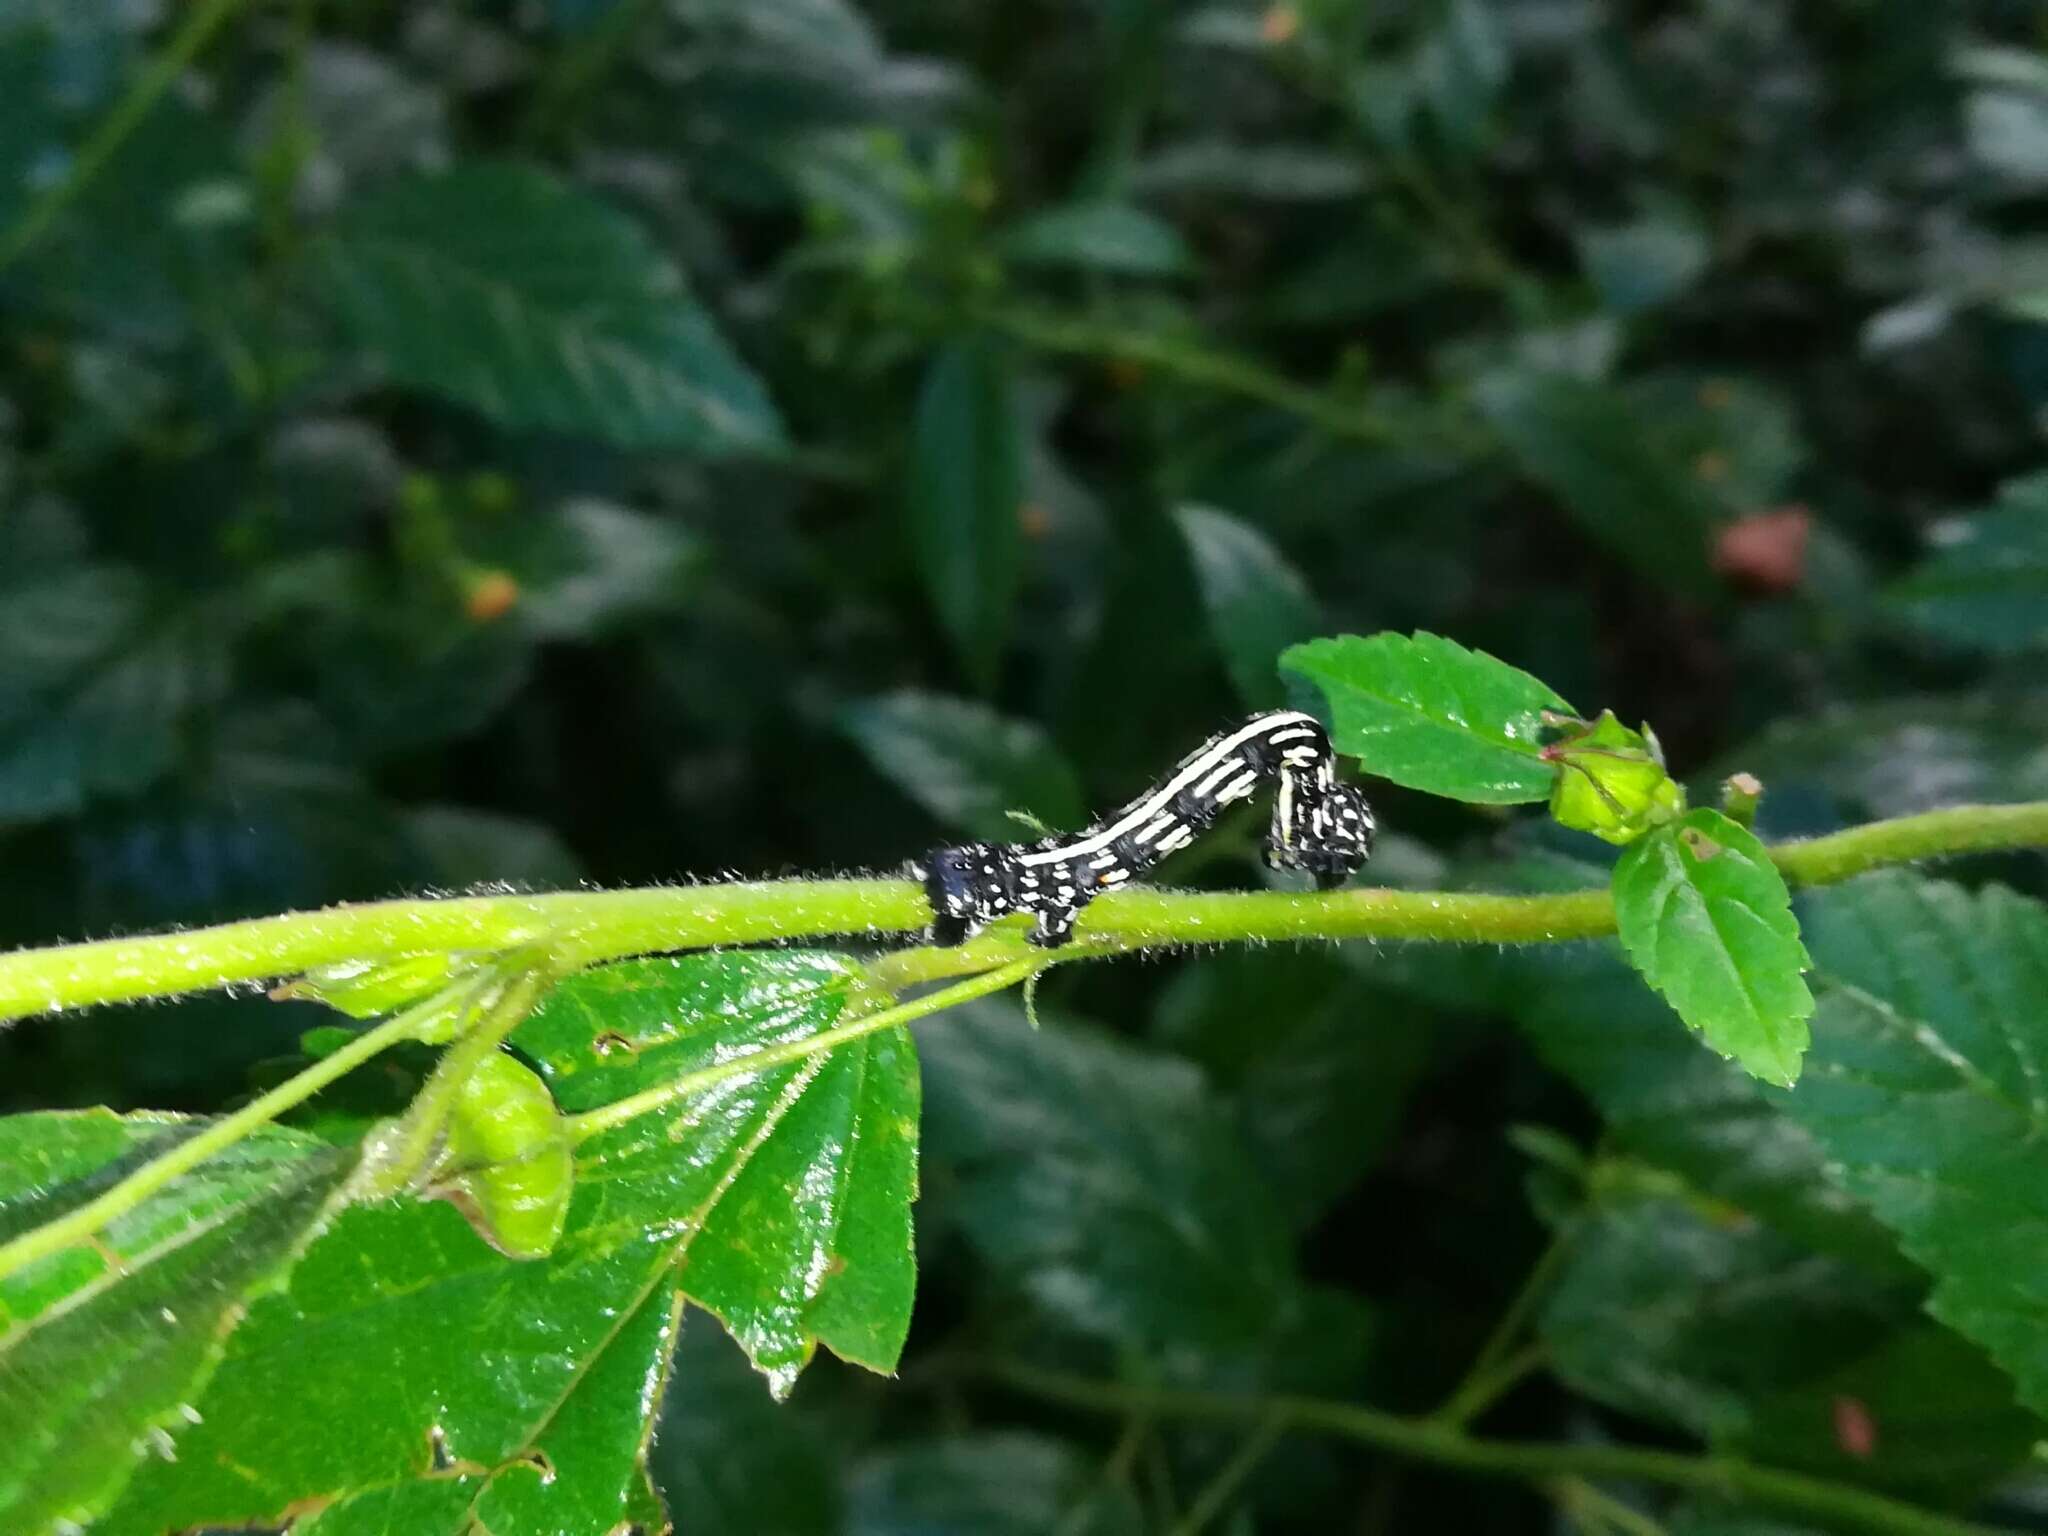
{"points": [[1216, 1495], [1493, 1371], [1420, 1439], [1488, 1382], [1197, 363], [590, 927]]}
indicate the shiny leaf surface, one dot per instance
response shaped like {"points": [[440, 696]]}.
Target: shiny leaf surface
{"points": [[1428, 713], [787, 1189], [105, 1347]]}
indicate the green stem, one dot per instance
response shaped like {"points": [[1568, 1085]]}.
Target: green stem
{"points": [[622, 1111], [1794, 1493], [1210, 1503], [201, 22], [218, 1135], [1908, 839], [1487, 1378], [1193, 362], [1486, 1383], [1591, 1509], [590, 927]]}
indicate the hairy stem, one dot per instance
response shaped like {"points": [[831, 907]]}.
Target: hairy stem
{"points": [[1834, 1505], [589, 927]]}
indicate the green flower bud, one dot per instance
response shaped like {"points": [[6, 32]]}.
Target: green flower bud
{"points": [[508, 1167], [1611, 782]]}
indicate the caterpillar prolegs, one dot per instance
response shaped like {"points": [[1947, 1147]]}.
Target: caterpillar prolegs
{"points": [[1320, 826]]}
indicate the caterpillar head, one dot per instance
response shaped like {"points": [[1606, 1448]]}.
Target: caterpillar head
{"points": [[964, 885], [1332, 839]]}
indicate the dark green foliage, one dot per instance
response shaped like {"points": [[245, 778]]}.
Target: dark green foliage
{"points": [[453, 445]]}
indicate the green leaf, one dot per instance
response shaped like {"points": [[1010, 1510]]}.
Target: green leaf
{"points": [[807, 1240], [787, 1190], [1258, 604], [1987, 583], [1319, 1065], [1103, 1181], [1099, 237], [1705, 916], [1650, 261], [1427, 713], [966, 496], [589, 569], [578, 1472], [95, 687], [966, 764], [1009, 1484], [1685, 1315], [1584, 443], [502, 289], [1925, 1089], [103, 1348], [1664, 1101]]}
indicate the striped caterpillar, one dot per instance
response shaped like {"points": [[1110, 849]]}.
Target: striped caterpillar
{"points": [[1320, 826]]}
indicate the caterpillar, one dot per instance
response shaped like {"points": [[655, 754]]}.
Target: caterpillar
{"points": [[1320, 826]]}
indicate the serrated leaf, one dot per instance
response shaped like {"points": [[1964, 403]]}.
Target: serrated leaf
{"points": [[103, 1348], [1589, 448], [1318, 1064], [438, 1352], [807, 1238], [1425, 712], [1986, 584], [579, 1472], [1099, 237], [1665, 1102], [1705, 916], [1925, 1088], [966, 764], [1103, 1181], [500, 288], [965, 499], [1665, 1311], [1257, 603]]}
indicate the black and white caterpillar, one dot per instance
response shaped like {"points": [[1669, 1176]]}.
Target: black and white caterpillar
{"points": [[1320, 826]]}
